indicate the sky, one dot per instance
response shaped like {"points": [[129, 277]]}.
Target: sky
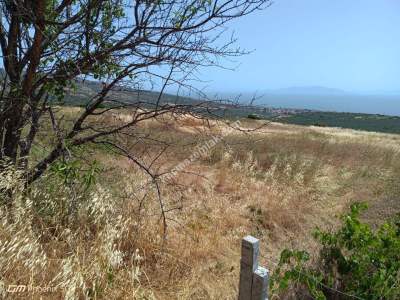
{"points": [[352, 45]]}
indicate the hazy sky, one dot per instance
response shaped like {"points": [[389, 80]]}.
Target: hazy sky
{"points": [[348, 44]]}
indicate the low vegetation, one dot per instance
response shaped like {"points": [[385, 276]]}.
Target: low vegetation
{"points": [[356, 261], [367, 122], [94, 228], [89, 207]]}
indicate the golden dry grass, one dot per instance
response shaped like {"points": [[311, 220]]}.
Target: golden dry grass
{"points": [[277, 183]]}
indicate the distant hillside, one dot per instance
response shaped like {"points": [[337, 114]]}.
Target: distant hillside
{"points": [[83, 91], [369, 122]]}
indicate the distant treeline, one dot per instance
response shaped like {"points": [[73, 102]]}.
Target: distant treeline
{"points": [[83, 91], [367, 122]]}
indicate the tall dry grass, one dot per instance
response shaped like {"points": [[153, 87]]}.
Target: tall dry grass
{"points": [[107, 242]]}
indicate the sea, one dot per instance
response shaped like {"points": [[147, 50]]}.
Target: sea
{"points": [[370, 104]]}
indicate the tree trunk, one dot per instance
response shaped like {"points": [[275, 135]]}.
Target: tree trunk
{"points": [[12, 128]]}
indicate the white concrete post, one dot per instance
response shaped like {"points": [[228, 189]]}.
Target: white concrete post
{"points": [[248, 264], [253, 279], [260, 284]]}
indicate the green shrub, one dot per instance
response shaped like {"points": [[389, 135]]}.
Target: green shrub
{"points": [[320, 124], [65, 189], [73, 171], [254, 117], [354, 262]]}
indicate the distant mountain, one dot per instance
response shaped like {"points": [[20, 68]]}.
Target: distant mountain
{"points": [[308, 90]]}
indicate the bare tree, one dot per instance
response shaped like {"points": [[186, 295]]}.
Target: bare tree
{"points": [[48, 45]]}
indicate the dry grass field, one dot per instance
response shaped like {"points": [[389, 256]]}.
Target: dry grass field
{"points": [[277, 183]]}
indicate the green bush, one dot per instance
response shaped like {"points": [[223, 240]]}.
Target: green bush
{"points": [[354, 262], [73, 172], [254, 117], [63, 190], [319, 124]]}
